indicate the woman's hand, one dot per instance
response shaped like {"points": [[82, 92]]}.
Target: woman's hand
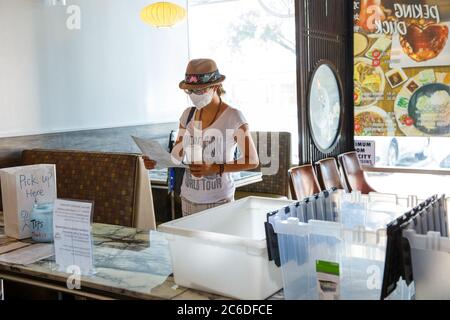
{"points": [[149, 163], [203, 170]]}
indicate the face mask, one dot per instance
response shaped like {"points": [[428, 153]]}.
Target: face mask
{"points": [[202, 100]]}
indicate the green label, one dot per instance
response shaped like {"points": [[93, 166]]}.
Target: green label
{"points": [[327, 267]]}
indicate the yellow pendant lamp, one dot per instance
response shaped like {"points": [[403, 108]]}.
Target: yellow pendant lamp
{"points": [[163, 14]]}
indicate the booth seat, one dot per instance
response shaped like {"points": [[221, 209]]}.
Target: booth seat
{"points": [[118, 183], [273, 185]]}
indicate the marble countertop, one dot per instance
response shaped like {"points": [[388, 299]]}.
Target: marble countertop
{"points": [[129, 264]]}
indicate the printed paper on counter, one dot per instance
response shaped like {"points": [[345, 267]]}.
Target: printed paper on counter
{"points": [[12, 246], [29, 254], [72, 233]]}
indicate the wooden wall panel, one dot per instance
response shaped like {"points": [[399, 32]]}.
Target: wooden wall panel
{"points": [[324, 32]]}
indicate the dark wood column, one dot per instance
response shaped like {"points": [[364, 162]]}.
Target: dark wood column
{"points": [[324, 32]]}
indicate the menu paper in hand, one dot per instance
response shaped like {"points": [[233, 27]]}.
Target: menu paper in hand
{"points": [[72, 233], [156, 152]]}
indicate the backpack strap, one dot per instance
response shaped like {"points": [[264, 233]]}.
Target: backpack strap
{"points": [[176, 174], [190, 116]]}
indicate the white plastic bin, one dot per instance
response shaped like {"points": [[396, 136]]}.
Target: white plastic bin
{"points": [[223, 250], [430, 257]]}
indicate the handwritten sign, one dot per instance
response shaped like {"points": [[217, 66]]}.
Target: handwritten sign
{"points": [[22, 187], [366, 152], [72, 236]]}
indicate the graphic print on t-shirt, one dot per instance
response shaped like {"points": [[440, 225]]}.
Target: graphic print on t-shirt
{"points": [[218, 145], [212, 153]]}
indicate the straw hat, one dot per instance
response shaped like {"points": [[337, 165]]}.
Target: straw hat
{"points": [[200, 74]]}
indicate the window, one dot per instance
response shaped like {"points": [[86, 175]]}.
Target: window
{"points": [[422, 185], [253, 43], [417, 152]]}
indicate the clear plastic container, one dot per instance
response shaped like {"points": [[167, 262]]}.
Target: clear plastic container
{"points": [[353, 212], [360, 254], [430, 257], [383, 197], [373, 211]]}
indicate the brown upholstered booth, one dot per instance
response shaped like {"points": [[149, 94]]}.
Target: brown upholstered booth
{"points": [[118, 183], [303, 182], [275, 178], [353, 174], [328, 174]]}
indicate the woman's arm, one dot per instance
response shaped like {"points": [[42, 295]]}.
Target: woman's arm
{"points": [[248, 161], [177, 150]]}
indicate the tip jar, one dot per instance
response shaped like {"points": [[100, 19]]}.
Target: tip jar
{"points": [[42, 222]]}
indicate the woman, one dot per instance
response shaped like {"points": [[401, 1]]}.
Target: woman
{"points": [[208, 136]]}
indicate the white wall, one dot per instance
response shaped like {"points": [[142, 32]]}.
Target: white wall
{"points": [[115, 71]]}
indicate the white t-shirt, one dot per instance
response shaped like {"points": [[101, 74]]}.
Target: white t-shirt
{"points": [[218, 146]]}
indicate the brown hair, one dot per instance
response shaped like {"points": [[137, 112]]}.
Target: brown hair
{"points": [[220, 90]]}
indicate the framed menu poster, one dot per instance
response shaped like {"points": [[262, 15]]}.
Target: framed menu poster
{"points": [[402, 67]]}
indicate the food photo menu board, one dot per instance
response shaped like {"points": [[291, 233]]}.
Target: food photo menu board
{"points": [[402, 67]]}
